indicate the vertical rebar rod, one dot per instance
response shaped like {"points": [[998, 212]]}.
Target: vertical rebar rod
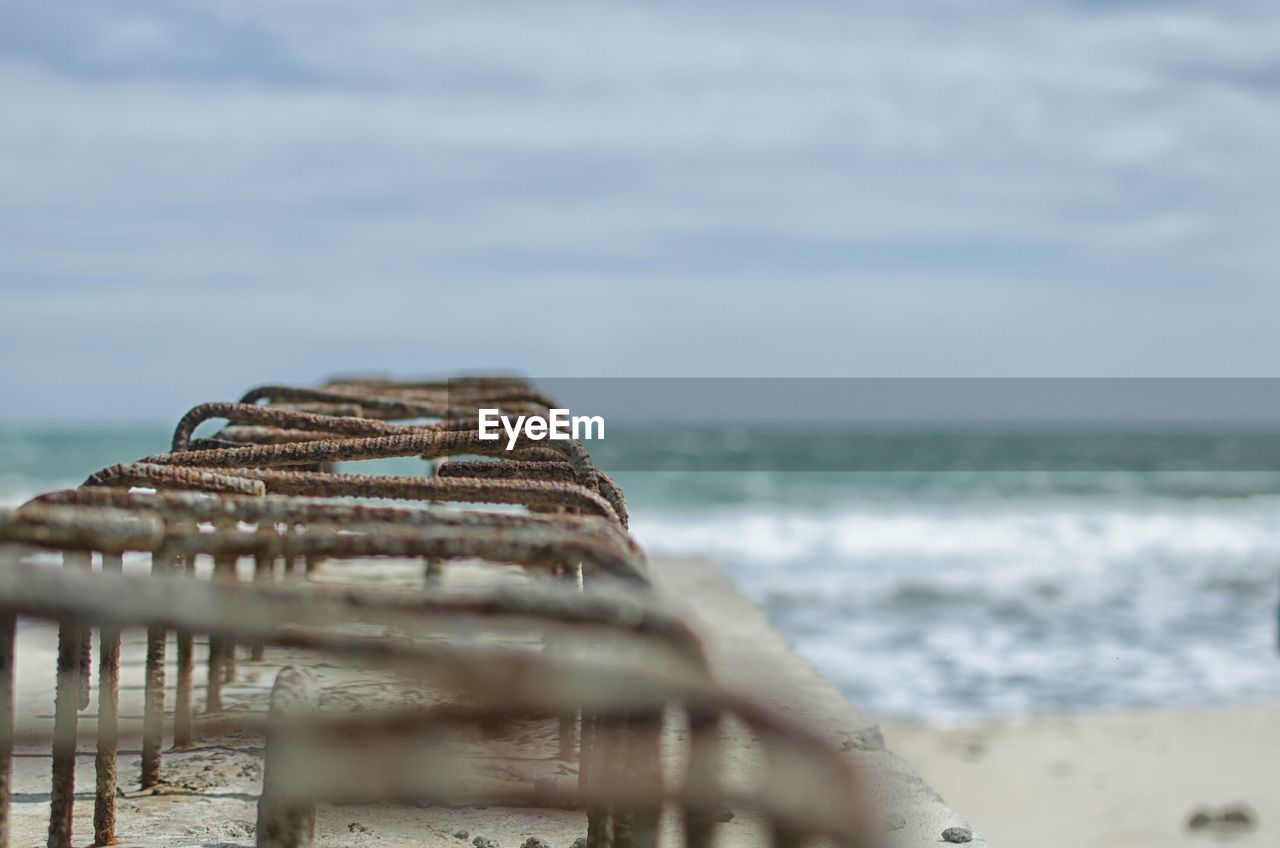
{"points": [[224, 568], [701, 777], [568, 736], [7, 621], [432, 571], [183, 718], [65, 718], [104, 799], [640, 762], [153, 705], [569, 724], [262, 572], [86, 668], [213, 685], [586, 755], [785, 837], [624, 750], [183, 736], [598, 750], [228, 661]]}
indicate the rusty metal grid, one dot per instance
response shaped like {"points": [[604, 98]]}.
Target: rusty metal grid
{"points": [[618, 665]]}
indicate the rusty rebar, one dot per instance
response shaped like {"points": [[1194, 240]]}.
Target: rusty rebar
{"points": [[104, 801], [7, 631], [283, 419], [263, 482], [195, 479], [262, 573], [388, 400], [516, 679], [501, 469], [107, 599], [702, 778], [153, 704], [529, 493], [527, 544], [67, 700], [183, 701], [295, 509]]}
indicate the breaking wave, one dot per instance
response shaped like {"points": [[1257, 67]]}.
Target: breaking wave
{"points": [[963, 611]]}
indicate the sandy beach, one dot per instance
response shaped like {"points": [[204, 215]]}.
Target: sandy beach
{"points": [[1114, 780]]}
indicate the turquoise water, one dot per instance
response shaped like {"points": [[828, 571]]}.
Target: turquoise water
{"points": [[942, 595], [35, 459]]}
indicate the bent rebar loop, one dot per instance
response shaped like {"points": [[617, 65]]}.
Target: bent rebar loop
{"points": [[279, 424], [430, 444], [478, 382], [276, 418], [176, 477], [527, 493], [506, 469], [602, 609], [238, 435], [295, 510], [527, 469], [458, 413], [535, 546], [389, 403], [107, 529], [499, 391]]}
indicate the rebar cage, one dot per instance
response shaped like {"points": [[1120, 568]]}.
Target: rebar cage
{"points": [[614, 666]]}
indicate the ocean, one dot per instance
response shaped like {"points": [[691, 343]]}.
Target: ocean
{"points": [[937, 595]]}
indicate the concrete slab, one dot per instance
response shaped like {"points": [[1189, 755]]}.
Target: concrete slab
{"points": [[210, 791]]}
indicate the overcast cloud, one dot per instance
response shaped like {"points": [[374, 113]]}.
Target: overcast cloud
{"points": [[196, 197]]}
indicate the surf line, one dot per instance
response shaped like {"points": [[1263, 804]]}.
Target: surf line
{"points": [[561, 425]]}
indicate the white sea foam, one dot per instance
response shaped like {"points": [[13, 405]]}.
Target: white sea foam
{"points": [[953, 612]]}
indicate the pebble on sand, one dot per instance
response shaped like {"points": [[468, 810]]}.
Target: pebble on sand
{"points": [[1238, 815], [1232, 818], [957, 834], [1200, 819]]}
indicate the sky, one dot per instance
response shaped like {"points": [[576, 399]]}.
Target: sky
{"points": [[198, 197]]}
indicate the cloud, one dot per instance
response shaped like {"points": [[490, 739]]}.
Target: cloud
{"points": [[294, 188], [121, 40]]}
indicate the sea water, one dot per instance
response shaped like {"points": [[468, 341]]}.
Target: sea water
{"points": [[937, 595]]}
